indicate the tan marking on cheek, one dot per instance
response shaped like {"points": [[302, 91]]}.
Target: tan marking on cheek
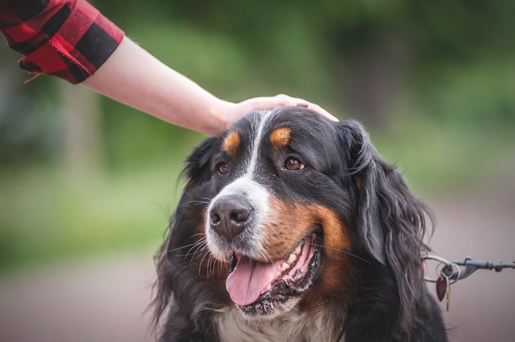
{"points": [[284, 228], [335, 232], [338, 272], [280, 137], [231, 143], [288, 224]]}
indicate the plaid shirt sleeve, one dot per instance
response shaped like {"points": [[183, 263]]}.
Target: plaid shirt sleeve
{"points": [[70, 39]]}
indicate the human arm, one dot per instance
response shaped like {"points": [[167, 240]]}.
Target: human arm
{"points": [[72, 40], [136, 78]]}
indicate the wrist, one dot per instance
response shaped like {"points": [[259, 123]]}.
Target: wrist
{"points": [[219, 117]]}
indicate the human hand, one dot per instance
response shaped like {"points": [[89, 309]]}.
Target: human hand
{"points": [[268, 103]]}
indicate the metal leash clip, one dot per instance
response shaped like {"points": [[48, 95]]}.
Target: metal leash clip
{"points": [[451, 272], [446, 278]]}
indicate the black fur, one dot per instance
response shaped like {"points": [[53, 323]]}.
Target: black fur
{"points": [[390, 301]]}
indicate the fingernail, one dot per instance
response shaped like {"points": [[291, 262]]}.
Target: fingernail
{"points": [[302, 104]]}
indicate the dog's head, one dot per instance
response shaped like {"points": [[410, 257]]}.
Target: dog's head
{"points": [[287, 209]]}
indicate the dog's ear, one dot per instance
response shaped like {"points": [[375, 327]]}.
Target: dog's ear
{"points": [[196, 170], [196, 167], [360, 163], [391, 221]]}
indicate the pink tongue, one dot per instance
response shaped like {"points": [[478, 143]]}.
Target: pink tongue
{"points": [[249, 278]]}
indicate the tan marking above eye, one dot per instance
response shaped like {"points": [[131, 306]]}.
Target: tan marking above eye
{"points": [[280, 137], [293, 164], [231, 143]]}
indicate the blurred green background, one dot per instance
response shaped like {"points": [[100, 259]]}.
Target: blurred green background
{"points": [[433, 81]]}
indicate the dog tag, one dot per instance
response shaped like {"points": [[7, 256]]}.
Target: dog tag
{"points": [[442, 286], [448, 297]]}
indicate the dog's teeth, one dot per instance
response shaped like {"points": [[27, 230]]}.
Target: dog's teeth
{"points": [[297, 250], [292, 258], [268, 287], [285, 266]]}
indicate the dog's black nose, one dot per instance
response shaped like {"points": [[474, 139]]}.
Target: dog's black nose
{"points": [[229, 215]]}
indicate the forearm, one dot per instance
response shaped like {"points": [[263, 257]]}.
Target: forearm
{"points": [[134, 77]]}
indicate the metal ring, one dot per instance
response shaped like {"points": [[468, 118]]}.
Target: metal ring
{"points": [[458, 271], [440, 259], [455, 270]]}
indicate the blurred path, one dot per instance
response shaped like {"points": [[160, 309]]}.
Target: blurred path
{"points": [[98, 300], [102, 300]]}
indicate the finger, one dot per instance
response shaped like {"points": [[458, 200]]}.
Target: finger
{"points": [[316, 108], [282, 100], [284, 97], [321, 111], [268, 103]]}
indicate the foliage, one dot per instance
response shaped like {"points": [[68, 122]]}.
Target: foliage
{"points": [[45, 213]]}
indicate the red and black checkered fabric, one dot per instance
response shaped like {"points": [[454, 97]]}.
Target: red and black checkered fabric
{"points": [[70, 39]]}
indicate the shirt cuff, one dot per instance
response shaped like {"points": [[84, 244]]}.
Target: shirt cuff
{"points": [[80, 46]]}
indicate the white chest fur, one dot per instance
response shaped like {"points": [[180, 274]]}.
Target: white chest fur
{"points": [[290, 327]]}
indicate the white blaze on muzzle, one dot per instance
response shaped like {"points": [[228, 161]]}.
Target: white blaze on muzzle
{"points": [[256, 195]]}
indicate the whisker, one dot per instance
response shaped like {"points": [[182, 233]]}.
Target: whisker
{"points": [[200, 246], [198, 202], [208, 265], [341, 251], [212, 261], [197, 252], [196, 244], [215, 262], [176, 249], [219, 269], [201, 261], [195, 235]]}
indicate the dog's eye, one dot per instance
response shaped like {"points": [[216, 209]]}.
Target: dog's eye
{"points": [[223, 168], [294, 164]]}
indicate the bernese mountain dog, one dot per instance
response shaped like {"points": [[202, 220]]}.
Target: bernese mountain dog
{"points": [[293, 228]]}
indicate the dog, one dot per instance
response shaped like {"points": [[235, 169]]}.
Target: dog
{"points": [[293, 228]]}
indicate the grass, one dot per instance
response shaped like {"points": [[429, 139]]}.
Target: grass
{"points": [[47, 214]]}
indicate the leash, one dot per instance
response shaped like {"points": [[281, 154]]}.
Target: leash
{"points": [[451, 272]]}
